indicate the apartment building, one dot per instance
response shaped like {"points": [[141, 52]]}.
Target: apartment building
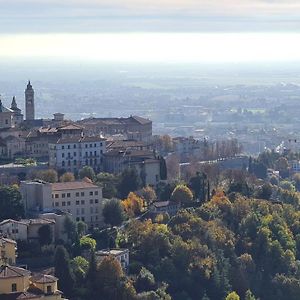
{"points": [[72, 154], [8, 250], [82, 199]]}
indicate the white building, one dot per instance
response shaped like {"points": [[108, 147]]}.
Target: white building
{"points": [[122, 255], [82, 199], [15, 230], [72, 154]]}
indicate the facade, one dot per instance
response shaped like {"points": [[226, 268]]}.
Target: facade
{"points": [[36, 196], [145, 162], [82, 199], [122, 255], [29, 102], [17, 116], [33, 226], [17, 283], [72, 154], [133, 127], [15, 230], [8, 249], [6, 117], [168, 207]]}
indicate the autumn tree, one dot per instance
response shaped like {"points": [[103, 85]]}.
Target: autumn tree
{"points": [[148, 194], [49, 175], [133, 204], [182, 194]]}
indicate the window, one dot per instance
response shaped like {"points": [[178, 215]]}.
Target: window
{"points": [[91, 210], [77, 219], [82, 219], [86, 145], [95, 145], [75, 153], [101, 144], [95, 153], [68, 203], [77, 194], [96, 210], [63, 203], [82, 210], [82, 194], [56, 196], [63, 163], [68, 195], [56, 204], [49, 289], [91, 201], [77, 212], [77, 202], [62, 155], [14, 287], [63, 195], [101, 151], [96, 201], [69, 147], [91, 193], [82, 202], [62, 147], [74, 147], [96, 193], [91, 145]]}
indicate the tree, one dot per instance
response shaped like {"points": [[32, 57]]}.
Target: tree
{"points": [[80, 267], [70, 229], [163, 168], [145, 281], [88, 243], [232, 296], [148, 193], [287, 185], [63, 270], [45, 235], [88, 172], [11, 206], [129, 182], [48, 176], [249, 295], [133, 204], [182, 194], [81, 228], [109, 183], [113, 212], [67, 177]]}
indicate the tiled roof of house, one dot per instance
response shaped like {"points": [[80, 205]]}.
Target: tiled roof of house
{"points": [[12, 221], [19, 296], [43, 278], [73, 185], [39, 221], [11, 271]]}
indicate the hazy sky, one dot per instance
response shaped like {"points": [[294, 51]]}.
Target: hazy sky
{"points": [[153, 30]]}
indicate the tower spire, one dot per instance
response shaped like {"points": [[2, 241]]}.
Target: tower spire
{"points": [[14, 103]]}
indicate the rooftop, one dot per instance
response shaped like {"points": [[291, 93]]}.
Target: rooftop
{"points": [[73, 185], [43, 278], [11, 272], [114, 252]]}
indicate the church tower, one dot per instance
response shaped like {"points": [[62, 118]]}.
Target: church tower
{"points": [[29, 102]]}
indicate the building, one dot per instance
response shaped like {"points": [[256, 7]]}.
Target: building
{"points": [[36, 196], [6, 116], [134, 127], [18, 283], [8, 249], [162, 207], [17, 113], [34, 225], [29, 102], [82, 199], [15, 230], [144, 161], [122, 255], [73, 153]]}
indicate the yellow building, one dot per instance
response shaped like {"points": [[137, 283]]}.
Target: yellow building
{"points": [[8, 249], [17, 283]]}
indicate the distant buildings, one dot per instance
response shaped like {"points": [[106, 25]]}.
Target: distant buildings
{"points": [[122, 255], [72, 154]]}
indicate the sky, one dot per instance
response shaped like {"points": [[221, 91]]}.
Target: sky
{"points": [[156, 30]]}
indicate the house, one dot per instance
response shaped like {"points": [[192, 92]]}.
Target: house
{"points": [[73, 153], [15, 230], [8, 249], [18, 283], [168, 207], [122, 255]]}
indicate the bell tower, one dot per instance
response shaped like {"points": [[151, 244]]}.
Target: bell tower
{"points": [[29, 102]]}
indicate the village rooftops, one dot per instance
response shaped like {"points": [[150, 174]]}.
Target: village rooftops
{"points": [[131, 153], [11, 272], [113, 252], [39, 221], [73, 185], [117, 121]]}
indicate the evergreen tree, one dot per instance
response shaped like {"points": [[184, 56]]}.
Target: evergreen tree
{"points": [[129, 182], [63, 270]]}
